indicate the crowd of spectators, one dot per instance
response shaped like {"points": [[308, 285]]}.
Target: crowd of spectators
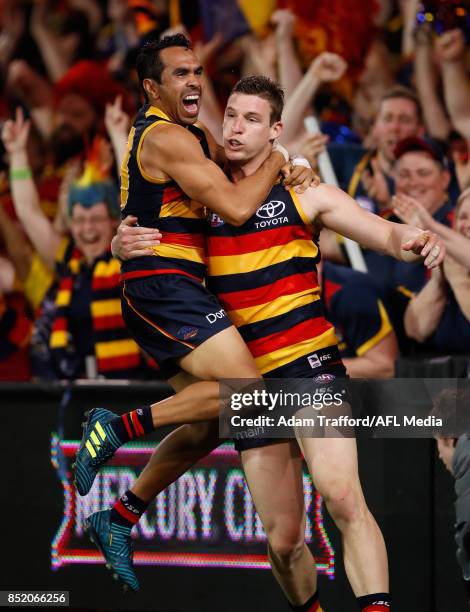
{"points": [[388, 80]]}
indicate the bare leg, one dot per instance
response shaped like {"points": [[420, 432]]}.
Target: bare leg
{"points": [[274, 476], [332, 463], [180, 450], [225, 355]]}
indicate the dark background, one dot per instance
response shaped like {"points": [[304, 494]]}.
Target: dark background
{"points": [[406, 487]]}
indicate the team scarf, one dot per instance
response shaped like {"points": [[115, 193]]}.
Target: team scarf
{"points": [[117, 355]]}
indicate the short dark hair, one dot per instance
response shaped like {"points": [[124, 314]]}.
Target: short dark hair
{"points": [[400, 91], [265, 88], [149, 64]]}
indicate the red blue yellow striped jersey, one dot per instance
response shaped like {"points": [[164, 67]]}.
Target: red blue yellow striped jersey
{"points": [[162, 204], [264, 275]]}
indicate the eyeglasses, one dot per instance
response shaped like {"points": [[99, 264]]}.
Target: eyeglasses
{"points": [[93, 220]]}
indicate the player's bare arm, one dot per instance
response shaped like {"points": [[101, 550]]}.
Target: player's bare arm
{"points": [[339, 212], [171, 151]]}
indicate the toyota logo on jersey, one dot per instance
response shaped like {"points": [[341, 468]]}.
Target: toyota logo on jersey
{"points": [[271, 209]]}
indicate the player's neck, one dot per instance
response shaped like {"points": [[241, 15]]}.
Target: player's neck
{"points": [[241, 169]]}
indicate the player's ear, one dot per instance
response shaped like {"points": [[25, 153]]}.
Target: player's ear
{"points": [[151, 88], [275, 130]]}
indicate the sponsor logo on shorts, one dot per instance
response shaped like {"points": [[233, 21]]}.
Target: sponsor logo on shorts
{"points": [[215, 220], [213, 316], [186, 332], [316, 360], [324, 378]]}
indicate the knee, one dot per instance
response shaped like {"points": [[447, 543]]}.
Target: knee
{"points": [[345, 503], [203, 434], [286, 546]]}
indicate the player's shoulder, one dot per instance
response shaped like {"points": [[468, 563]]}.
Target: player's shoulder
{"points": [[168, 137]]}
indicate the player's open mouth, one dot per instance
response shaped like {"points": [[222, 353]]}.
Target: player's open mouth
{"points": [[234, 143], [191, 103]]}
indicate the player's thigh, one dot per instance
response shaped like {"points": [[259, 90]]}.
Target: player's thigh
{"points": [[274, 477], [332, 463], [224, 355]]}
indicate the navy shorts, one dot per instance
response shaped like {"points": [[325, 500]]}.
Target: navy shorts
{"points": [[296, 369], [169, 316]]}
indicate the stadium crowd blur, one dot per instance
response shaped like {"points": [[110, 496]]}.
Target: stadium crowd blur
{"points": [[388, 80]]}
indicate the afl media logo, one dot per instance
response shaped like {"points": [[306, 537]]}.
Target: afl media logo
{"points": [[271, 209]]}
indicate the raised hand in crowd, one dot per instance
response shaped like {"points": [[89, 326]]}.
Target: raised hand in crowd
{"points": [[376, 185], [427, 85], [456, 240], [117, 126], [328, 67], [284, 21], [450, 49], [451, 46], [12, 27], [288, 65], [15, 136], [312, 145], [325, 68]]}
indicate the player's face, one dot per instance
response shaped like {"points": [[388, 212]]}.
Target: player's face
{"points": [[179, 93], [419, 176], [397, 119], [247, 131], [92, 229], [462, 221], [446, 451]]}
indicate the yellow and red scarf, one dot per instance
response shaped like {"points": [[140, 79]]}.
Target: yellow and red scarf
{"points": [[117, 355]]}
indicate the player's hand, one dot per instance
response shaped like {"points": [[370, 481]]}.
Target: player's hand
{"points": [[375, 184], [451, 46], [15, 133], [132, 240], [299, 177], [410, 211], [429, 246], [328, 67]]}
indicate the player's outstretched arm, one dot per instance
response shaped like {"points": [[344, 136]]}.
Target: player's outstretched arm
{"points": [[340, 213], [174, 151]]}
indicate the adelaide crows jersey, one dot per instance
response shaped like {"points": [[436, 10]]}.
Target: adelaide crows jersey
{"points": [[162, 204], [264, 275]]}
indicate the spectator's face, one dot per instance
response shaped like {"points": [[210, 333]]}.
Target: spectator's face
{"points": [[462, 220], [446, 450], [75, 120], [179, 93], [247, 131], [92, 229], [419, 176], [397, 119]]}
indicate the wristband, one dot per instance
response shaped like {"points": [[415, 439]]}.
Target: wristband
{"points": [[20, 174], [298, 160], [283, 150]]}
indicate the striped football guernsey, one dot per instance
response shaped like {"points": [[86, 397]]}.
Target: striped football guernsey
{"points": [[162, 204], [264, 275]]}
